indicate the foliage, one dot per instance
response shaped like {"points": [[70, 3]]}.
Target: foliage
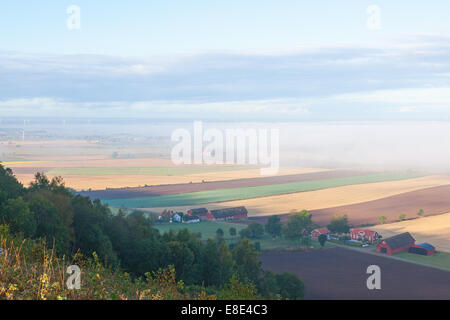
{"points": [[46, 227], [281, 286], [339, 224], [382, 219], [322, 239], [274, 226], [253, 231], [219, 233], [296, 224]]}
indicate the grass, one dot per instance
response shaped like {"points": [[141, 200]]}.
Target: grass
{"points": [[221, 195], [158, 171], [350, 244], [440, 259], [206, 228]]}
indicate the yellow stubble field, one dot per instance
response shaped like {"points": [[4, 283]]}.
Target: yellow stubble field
{"points": [[431, 229], [326, 198]]}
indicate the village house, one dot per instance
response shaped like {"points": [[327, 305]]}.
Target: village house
{"points": [[170, 216], [364, 235]]}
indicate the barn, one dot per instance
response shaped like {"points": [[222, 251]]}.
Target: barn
{"points": [[230, 213], [364, 234], [317, 232], [396, 244], [424, 249], [202, 213]]}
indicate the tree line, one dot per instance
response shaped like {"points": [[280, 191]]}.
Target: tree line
{"points": [[70, 224]]}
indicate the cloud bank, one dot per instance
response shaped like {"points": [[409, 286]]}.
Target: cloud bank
{"points": [[407, 79]]}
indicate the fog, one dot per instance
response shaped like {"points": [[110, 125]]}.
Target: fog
{"points": [[423, 146]]}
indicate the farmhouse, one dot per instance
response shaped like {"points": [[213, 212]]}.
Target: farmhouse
{"points": [[170, 216], [424, 249], [317, 232], [364, 234], [230, 213], [396, 244], [202, 213]]}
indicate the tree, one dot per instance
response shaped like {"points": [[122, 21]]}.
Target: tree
{"points": [[290, 286], [247, 264], [219, 233], [253, 231], [382, 219], [420, 213], [305, 241], [274, 226], [339, 224], [402, 217], [17, 215], [322, 239], [233, 232], [238, 290], [281, 286], [296, 223], [49, 224], [10, 188]]}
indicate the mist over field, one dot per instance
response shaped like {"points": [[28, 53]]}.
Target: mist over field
{"points": [[365, 145]]}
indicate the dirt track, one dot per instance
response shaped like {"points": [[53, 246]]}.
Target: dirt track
{"points": [[214, 185], [341, 274]]}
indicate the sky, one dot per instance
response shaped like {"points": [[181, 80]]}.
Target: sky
{"points": [[236, 60]]}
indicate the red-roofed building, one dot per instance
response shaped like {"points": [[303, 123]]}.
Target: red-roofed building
{"points": [[364, 234], [317, 232], [202, 213], [396, 244]]}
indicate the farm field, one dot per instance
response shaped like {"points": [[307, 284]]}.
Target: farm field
{"points": [[332, 197], [99, 172], [435, 200], [222, 195], [124, 193], [338, 273], [157, 171], [432, 229]]}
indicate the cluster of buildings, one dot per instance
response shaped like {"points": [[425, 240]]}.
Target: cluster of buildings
{"points": [[203, 214], [404, 242], [398, 243], [356, 234]]}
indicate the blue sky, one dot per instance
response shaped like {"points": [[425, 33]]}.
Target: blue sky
{"points": [[294, 60]]}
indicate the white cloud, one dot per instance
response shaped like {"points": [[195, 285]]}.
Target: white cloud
{"points": [[426, 96]]}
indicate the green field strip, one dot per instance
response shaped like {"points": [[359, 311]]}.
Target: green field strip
{"points": [[221, 195], [156, 171]]}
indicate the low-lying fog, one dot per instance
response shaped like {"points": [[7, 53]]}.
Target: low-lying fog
{"points": [[365, 145]]}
